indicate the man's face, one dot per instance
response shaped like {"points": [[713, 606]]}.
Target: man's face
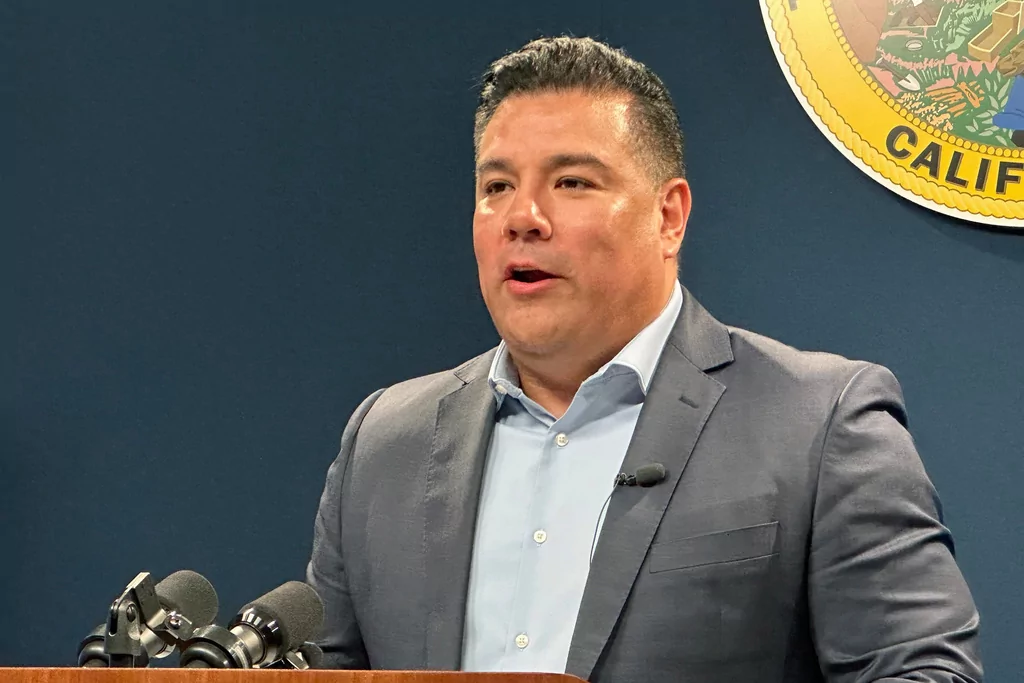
{"points": [[570, 233]]}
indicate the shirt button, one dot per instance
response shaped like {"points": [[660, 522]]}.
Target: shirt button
{"points": [[540, 535], [522, 640], [500, 389], [562, 440]]}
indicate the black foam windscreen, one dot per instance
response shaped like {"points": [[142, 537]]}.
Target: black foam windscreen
{"points": [[190, 595], [296, 607], [649, 475]]}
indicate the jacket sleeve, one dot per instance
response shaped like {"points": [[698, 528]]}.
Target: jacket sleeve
{"points": [[887, 600], [340, 637]]}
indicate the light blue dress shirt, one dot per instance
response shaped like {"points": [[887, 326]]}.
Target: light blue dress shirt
{"points": [[541, 505]]}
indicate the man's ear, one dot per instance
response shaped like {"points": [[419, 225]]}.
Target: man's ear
{"points": [[675, 212]]}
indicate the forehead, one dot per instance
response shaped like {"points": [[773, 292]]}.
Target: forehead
{"points": [[557, 122]]}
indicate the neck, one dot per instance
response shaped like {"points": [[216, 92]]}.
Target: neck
{"points": [[552, 379]]}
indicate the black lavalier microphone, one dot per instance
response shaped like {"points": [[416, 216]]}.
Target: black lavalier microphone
{"points": [[645, 476]]}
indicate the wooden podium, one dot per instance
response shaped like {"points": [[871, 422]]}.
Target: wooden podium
{"points": [[61, 675]]}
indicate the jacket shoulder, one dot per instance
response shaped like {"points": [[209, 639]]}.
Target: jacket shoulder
{"points": [[788, 373], [417, 395]]}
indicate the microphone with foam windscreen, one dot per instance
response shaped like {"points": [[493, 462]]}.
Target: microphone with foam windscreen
{"points": [[645, 476], [148, 622], [269, 630], [190, 593]]}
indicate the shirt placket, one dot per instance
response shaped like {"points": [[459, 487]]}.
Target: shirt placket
{"points": [[528, 633]]}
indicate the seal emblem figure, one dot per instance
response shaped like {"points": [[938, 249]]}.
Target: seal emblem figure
{"points": [[925, 96]]}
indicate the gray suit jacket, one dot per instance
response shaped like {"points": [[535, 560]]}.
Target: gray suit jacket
{"points": [[796, 537]]}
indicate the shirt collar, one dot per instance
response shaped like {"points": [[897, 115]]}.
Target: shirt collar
{"points": [[640, 356]]}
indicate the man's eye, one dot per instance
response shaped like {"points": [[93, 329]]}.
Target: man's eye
{"points": [[496, 187], [574, 184]]}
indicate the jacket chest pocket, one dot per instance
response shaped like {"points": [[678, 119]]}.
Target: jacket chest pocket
{"points": [[718, 592], [732, 545]]}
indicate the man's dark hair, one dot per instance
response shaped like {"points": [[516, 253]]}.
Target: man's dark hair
{"points": [[567, 63]]}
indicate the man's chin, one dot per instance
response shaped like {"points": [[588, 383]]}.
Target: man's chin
{"points": [[535, 342], [535, 329]]}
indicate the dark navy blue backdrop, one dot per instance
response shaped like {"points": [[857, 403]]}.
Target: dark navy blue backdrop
{"points": [[228, 222]]}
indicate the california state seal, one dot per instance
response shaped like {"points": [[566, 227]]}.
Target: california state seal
{"points": [[925, 96]]}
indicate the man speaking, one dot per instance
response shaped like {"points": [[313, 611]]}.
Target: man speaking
{"points": [[485, 518]]}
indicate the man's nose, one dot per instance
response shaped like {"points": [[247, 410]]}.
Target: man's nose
{"points": [[525, 219]]}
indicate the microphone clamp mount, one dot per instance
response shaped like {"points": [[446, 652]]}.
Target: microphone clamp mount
{"points": [[136, 620]]}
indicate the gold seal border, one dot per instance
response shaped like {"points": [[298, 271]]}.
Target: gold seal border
{"points": [[877, 161]]}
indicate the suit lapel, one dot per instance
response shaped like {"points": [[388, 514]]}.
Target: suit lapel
{"points": [[678, 404], [465, 422]]}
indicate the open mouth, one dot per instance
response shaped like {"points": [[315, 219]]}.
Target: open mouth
{"points": [[530, 275]]}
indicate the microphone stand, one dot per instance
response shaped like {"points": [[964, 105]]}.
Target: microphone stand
{"points": [[136, 619]]}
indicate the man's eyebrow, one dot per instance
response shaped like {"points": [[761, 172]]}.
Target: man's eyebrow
{"points": [[552, 163], [497, 164], [585, 159]]}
